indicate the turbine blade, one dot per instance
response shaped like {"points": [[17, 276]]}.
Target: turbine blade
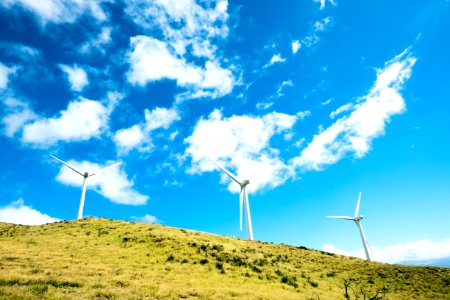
{"points": [[226, 172], [357, 205], [341, 217], [241, 203], [364, 240], [67, 165], [104, 169]]}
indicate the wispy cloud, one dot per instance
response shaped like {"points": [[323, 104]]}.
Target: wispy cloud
{"points": [[18, 213], [4, 74], [368, 118], [187, 30], [57, 11], [313, 38], [323, 2]]}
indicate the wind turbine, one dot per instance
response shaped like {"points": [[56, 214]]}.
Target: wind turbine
{"points": [[243, 200], [85, 175], [357, 219]]}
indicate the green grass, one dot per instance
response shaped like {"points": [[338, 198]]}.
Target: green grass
{"points": [[106, 259]]}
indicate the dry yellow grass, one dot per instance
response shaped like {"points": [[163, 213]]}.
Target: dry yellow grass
{"points": [[106, 259]]}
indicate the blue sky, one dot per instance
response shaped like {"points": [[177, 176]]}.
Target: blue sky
{"points": [[313, 101]]}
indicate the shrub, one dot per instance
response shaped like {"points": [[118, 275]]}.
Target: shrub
{"points": [[313, 283], [217, 247], [170, 258], [292, 281], [204, 261]]}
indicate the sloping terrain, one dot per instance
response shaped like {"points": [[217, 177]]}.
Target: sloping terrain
{"points": [[105, 259]]}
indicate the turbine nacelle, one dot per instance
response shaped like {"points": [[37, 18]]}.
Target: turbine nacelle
{"points": [[244, 183]]}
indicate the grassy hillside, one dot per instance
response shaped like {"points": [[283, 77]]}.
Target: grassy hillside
{"points": [[100, 258]]}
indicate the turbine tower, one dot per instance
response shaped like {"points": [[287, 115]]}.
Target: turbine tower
{"points": [[85, 175], [243, 200], [357, 219]]}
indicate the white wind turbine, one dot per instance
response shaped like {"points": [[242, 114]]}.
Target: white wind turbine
{"points": [[357, 219], [85, 175], [243, 200]]}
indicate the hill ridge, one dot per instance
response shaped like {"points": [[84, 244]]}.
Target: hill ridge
{"points": [[101, 258]]}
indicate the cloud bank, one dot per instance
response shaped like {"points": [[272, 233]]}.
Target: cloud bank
{"points": [[18, 213], [409, 252]]}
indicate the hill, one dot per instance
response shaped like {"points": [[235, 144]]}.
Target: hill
{"points": [[97, 258]]}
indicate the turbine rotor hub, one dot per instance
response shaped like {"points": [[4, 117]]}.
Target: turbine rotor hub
{"points": [[245, 183]]}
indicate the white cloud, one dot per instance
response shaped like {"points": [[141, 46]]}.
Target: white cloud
{"points": [[322, 3], [341, 109], [4, 74], [295, 46], [368, 118], [410, 252], [310, 40], [321, 25], [282, 86], [326, 102], [59, 11], [264, 105], [18, 113], [139, 135], [276, 58], [146, 219], [18, 213], [160, 117], [186, 28], [112, 184], [241, 143], [129, 138], [82, 120], [183, 23], [98, 42], [313, 38], [152, 60], [77, 77]]}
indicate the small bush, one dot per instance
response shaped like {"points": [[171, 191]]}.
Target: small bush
{"points": [[217, 248], [204, 261], [170, 258], [292, 281], [313, 283], [219, 265]]}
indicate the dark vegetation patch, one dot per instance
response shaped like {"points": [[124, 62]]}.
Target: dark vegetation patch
{"points": [[54, 283]]}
